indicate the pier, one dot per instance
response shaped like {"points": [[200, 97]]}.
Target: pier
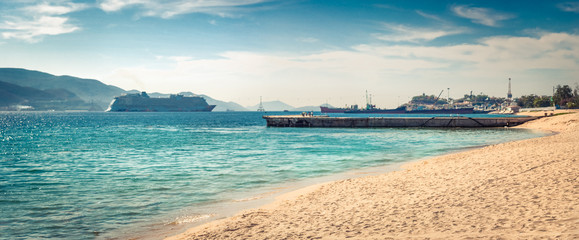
{"points": [[393, 122]]}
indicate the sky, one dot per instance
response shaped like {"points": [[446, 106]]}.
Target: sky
{"points": [[298, 51]]}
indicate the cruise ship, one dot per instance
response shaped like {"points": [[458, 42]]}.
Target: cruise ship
{"points": [[141, 102]]}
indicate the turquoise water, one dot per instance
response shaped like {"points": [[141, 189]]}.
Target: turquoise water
{"points": [[89, 175]]}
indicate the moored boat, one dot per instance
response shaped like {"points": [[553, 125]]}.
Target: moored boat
{"points": [[337, 110], [373, 109], [468, 110]]}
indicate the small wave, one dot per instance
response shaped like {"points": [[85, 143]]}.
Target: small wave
{"points": [[248, 199], [260, 196], [190, 219], [63, 152]]}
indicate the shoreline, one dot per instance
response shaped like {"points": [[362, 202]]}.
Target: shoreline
{"points": [[308, 212], [248, 200], [179, 221]]}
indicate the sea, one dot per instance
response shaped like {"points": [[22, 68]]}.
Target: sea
{"points": [[99, 175]]}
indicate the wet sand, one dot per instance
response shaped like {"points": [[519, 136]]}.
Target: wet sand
{"points": [[525, 190]]}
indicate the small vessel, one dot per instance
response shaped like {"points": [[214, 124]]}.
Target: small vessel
{"points": [[337, 110], [468, 110], [373, 109], [141, 102], [370, 108]]}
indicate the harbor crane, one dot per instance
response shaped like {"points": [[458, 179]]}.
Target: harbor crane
{"points": [[435, 100]]}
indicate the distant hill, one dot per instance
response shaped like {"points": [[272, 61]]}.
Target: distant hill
{"points": [[14, 97], [11, 94], [221, 105], [281, 106], [272, 106], [307, 109], [224, 106], [88, 90], [45, 91]]}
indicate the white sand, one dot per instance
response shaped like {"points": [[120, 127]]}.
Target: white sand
{"points": [[518, 190]]}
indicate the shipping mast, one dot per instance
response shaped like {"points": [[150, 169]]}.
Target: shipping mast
{"points": [[260, 109]]}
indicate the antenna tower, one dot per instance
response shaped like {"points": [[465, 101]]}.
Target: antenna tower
{"points": [[367, 98], [509, 94], [260, 109]]}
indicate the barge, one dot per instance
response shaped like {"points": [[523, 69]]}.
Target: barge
{"points": [[393, 122]]}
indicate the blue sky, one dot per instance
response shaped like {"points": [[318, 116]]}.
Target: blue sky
{"points": [[297, 51]]}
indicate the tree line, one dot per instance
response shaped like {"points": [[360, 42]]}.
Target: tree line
{"points": [[563, 96], [475, 100]]}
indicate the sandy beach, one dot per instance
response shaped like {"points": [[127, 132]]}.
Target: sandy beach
{"points": [[526, 189]]}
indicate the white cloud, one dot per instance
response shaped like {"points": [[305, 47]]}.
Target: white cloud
{"points": [[340, 77], [32, 23], [174, 58], [552, 50], [49, 9], [171, 8], [429, 16], [33, 30], [569, 7], [484, 16], [116, 5], [401, 33], [308, 40]]}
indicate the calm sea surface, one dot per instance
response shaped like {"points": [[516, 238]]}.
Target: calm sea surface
{"points": [[91, 175]]}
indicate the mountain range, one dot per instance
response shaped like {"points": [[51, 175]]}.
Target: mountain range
{"points": [[221, 105], [12, 97], [22, 89], [45, 91], [277, 106]]}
